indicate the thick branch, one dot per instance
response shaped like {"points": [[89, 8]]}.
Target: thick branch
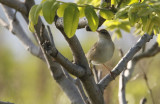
{"points": [[67, 86], [69, 66], [55, 54], [123, 62], [16, 4], [77, 51], [79, 58], [81, 91]]}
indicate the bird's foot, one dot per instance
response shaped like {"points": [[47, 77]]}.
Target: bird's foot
{"points": [[112, 75]]}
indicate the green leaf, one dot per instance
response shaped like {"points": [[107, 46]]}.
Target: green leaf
{"points": [[118, 33], [126, 28], [136, 6], [43, 1], [144, 21], [122, 13], [156, 10], [61, 9], [92, 17], [37, 13], [150, 28], [156, 30], [31, 27], [106, 14], [32, 14], [133, 1], [54, 9], [81, 11], [156, 20], [133, 18], [49, 9], [104, 4], [47, 0], [71, 19], [146, 27], [144, 12], [158, 39]]}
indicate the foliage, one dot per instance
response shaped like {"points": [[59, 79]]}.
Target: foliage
{"points": [[144, 15]]}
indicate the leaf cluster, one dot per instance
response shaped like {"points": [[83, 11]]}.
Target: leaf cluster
{"points": [[144, 15], [70, 12]]}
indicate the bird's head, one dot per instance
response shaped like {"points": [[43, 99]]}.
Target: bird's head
{"points": [[104, 34]]}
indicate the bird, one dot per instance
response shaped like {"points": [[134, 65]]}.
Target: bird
{"points": [[103, 50]]}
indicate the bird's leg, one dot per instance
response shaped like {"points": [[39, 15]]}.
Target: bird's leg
{"points": [[109, 71], [90, 65], [95, 73]]}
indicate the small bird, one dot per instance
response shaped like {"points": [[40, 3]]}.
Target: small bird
{"points": [[102, 50]]}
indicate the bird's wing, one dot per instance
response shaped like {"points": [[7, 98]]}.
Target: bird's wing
{"points": [[92, 51]]}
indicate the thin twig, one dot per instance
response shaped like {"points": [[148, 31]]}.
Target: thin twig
{"points": [[122, 84], [147, 83], [99, 75], [95, 73], [50, 35]]}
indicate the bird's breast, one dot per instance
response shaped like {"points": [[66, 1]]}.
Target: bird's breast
{"points": [[104, 52]]}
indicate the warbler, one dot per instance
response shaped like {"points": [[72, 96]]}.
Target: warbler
{"points": [[102, 50]]}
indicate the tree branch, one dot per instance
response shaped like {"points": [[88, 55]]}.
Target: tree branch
{"points": [[123, 62], [81, 91], [82, 22], [66, 84], [147, 84], [79, 58], [131, 64], [126, 74], [77, 51], [151, 52], [55, 54], [73, 93], [1, 102], [16, 4], [122, 85], [4, 23], [122, 92], [16, 29]]}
